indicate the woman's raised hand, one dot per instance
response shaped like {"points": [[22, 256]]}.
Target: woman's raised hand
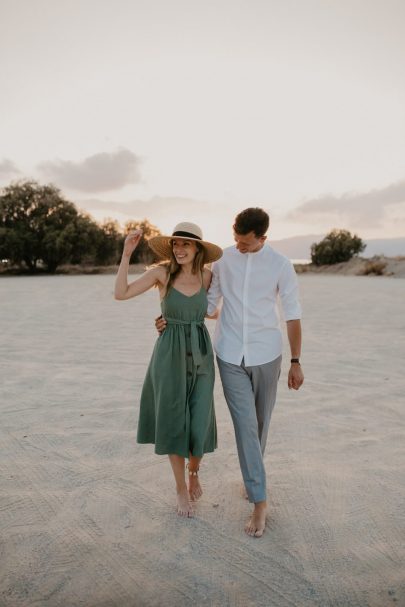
{"points": [[131, 242]]}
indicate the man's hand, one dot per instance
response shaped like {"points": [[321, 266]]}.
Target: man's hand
{"points": [[295, 377], [160, 324]]}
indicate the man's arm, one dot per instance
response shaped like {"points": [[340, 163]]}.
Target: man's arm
{"points": [[214, 293], [288, 291], [295, 374]]}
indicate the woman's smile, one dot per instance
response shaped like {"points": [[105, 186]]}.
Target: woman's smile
{"points": [[184, 250]]}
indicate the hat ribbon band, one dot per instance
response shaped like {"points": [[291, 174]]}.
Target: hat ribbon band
{"points": [[186, 234]]}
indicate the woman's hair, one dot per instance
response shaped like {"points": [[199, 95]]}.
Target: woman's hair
{"points": [[173, 268]]}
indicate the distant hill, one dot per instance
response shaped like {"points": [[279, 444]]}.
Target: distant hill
{"points": [[390, 247], [296, 247], [299, 247]]}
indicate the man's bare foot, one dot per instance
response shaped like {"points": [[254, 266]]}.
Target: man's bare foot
{"points": [[257, 522], [184, 507], [243, 492], [194, 488]]}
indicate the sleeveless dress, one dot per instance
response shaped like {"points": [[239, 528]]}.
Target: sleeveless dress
{"points": [[177, 405]]}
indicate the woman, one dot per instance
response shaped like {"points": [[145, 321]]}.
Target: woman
{"points": [[177, 407]]}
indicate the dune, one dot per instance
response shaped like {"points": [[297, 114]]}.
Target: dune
{"points": [[379, 265]]}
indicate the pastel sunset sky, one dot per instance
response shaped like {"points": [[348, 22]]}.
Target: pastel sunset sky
{"points": [[193, 110]]}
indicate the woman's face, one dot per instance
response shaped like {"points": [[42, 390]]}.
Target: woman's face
{"points": [[184, 250]]}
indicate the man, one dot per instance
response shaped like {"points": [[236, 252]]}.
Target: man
{"points": [[249, 278]]}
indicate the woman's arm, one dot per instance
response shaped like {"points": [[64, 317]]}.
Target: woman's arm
{"points": [[207, 276], [150, 278]]}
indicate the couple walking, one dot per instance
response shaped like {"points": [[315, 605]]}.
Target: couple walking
{"points": [[177, 409]]}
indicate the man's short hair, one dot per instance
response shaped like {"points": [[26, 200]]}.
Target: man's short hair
{"points": [[252, 219]]}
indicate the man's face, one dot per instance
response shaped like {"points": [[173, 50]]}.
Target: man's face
{"points": [[248, 243]]}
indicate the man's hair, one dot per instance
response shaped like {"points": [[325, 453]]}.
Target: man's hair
{"points": [[252, 219]]}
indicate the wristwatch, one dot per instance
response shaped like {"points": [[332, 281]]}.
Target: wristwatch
{"points": [[295, 360]]}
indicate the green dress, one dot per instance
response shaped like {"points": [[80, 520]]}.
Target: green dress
{"points": [[177, 405]]}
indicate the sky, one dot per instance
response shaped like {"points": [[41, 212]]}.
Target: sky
{"points": [[187, 110]]}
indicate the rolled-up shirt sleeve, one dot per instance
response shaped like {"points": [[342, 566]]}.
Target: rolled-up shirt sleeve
{"points": [[214, 293], [288, 292]]}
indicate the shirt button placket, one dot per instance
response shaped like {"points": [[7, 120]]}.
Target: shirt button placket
{"points": [[245, 302]]}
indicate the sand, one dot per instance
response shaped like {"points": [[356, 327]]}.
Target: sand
{"points": [[87, 516], [379, 265]]}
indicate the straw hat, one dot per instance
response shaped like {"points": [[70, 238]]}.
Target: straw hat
{"points": [[162, 246]]}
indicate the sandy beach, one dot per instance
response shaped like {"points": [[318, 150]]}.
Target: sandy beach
{"points": [[87, 516]]}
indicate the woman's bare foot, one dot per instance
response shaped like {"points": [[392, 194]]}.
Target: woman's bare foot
{"points": [[184, 508], [194, 488], [257, 522]]}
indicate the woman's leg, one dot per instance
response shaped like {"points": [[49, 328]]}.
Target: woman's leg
{"points": [[194, 487], [183, 505]]}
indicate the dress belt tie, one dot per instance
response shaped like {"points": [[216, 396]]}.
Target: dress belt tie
{"points": [[194, 325]]}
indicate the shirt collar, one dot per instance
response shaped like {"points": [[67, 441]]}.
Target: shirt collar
{"points": [[256, 254]]}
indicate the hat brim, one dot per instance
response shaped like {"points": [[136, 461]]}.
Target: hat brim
{"points": [[161, 245]]}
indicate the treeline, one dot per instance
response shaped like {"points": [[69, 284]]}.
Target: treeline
{"points": [[39, 228]]}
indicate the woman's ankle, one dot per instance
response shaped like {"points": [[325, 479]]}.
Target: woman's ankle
{"points": [[182, 488]]}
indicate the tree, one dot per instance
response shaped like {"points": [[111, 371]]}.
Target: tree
{"points": [[38, 224], [110, 243], [142, 253], [337, 246]]}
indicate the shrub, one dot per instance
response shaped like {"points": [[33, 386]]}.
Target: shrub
{"points": [[374, 267], [337, 246]]}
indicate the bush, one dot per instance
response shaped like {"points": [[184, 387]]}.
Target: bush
{"points": [[374, 267], [337, 246]]}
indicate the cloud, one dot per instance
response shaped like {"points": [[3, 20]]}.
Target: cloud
{"points": [[8, 169], [165, 212], [98, 173], [141, 208], [355, 209]]}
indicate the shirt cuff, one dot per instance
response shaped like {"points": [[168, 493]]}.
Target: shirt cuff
{"points": [[292, 312], [211, 309]]}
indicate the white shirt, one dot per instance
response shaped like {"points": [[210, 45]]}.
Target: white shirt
{"points": [[250, 283]]}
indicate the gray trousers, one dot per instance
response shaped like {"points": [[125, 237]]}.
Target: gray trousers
{"points": [[250, 393]]}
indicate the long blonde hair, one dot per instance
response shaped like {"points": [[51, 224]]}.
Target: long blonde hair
{"points": [[173, 268]]}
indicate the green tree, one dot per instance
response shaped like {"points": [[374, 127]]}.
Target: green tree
{"points": [[38, 224], [110, 243], [337, 246], [142, 253]]}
